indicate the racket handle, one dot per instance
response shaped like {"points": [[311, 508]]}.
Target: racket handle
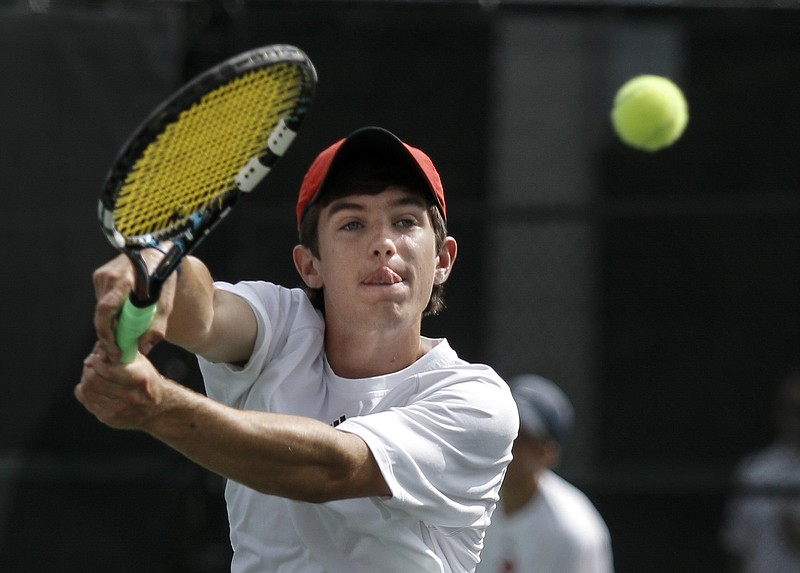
{"points": [[133, 322]]}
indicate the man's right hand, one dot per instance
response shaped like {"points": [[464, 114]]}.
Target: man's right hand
{"points": [[113, 283]]}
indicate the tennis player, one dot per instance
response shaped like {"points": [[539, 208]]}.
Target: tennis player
{"points": [[350, 442]]}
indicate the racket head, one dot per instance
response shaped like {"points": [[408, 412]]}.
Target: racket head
{"points": [[187, 164]]}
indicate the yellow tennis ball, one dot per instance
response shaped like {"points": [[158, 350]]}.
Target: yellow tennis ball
{"points": [[650, 112]]}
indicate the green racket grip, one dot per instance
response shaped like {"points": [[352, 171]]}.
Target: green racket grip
{"points": [[133, 322]]}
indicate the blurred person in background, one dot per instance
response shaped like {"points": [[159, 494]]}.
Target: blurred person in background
{"points": [[543, 524], [761, 531]]}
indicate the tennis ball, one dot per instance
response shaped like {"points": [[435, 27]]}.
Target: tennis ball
{"points": [[650, 112]]}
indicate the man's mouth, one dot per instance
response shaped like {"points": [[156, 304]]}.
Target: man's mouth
{"points": [[383, 276]]}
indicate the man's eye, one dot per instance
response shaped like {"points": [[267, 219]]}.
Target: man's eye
{"points": [[351, 226], [406, 223]]}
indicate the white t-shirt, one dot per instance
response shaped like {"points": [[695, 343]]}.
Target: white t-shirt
{"points": [[559, 531], [441, 431], [759, 518]]}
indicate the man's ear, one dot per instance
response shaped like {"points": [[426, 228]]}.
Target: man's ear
{"points": [[445, 260], [306, 264]]}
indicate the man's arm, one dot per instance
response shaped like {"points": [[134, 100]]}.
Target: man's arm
{"points": [[192, 313], [217, 325], [289, 456]]}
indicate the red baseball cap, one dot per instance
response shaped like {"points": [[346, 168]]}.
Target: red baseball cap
{"points": [[374, 140]]}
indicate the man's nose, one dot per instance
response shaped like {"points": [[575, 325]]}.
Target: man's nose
{"points": [[383, 245]]}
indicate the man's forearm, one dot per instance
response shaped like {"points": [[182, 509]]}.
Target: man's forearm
{"points": [[289, 456]]}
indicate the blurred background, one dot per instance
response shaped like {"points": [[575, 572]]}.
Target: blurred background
{"points": [[660, 291]]}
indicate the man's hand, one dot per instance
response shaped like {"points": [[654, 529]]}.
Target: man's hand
{"points": [[121, 396], [112, 286]]}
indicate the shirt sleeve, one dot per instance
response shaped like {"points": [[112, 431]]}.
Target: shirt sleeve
{"points": [[280, 314], [444, 456]]}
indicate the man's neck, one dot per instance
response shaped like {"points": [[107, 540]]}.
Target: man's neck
{"points": [[367, 354], [515, 497]]}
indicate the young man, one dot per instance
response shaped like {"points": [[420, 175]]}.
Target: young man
{"points": [[350, 441], [543, 524], [761, 526]]}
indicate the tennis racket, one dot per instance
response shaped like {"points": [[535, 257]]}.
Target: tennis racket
{"points": [[189, 162]]}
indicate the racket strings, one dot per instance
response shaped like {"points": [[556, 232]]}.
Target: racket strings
{"points": [[191, 166]]}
